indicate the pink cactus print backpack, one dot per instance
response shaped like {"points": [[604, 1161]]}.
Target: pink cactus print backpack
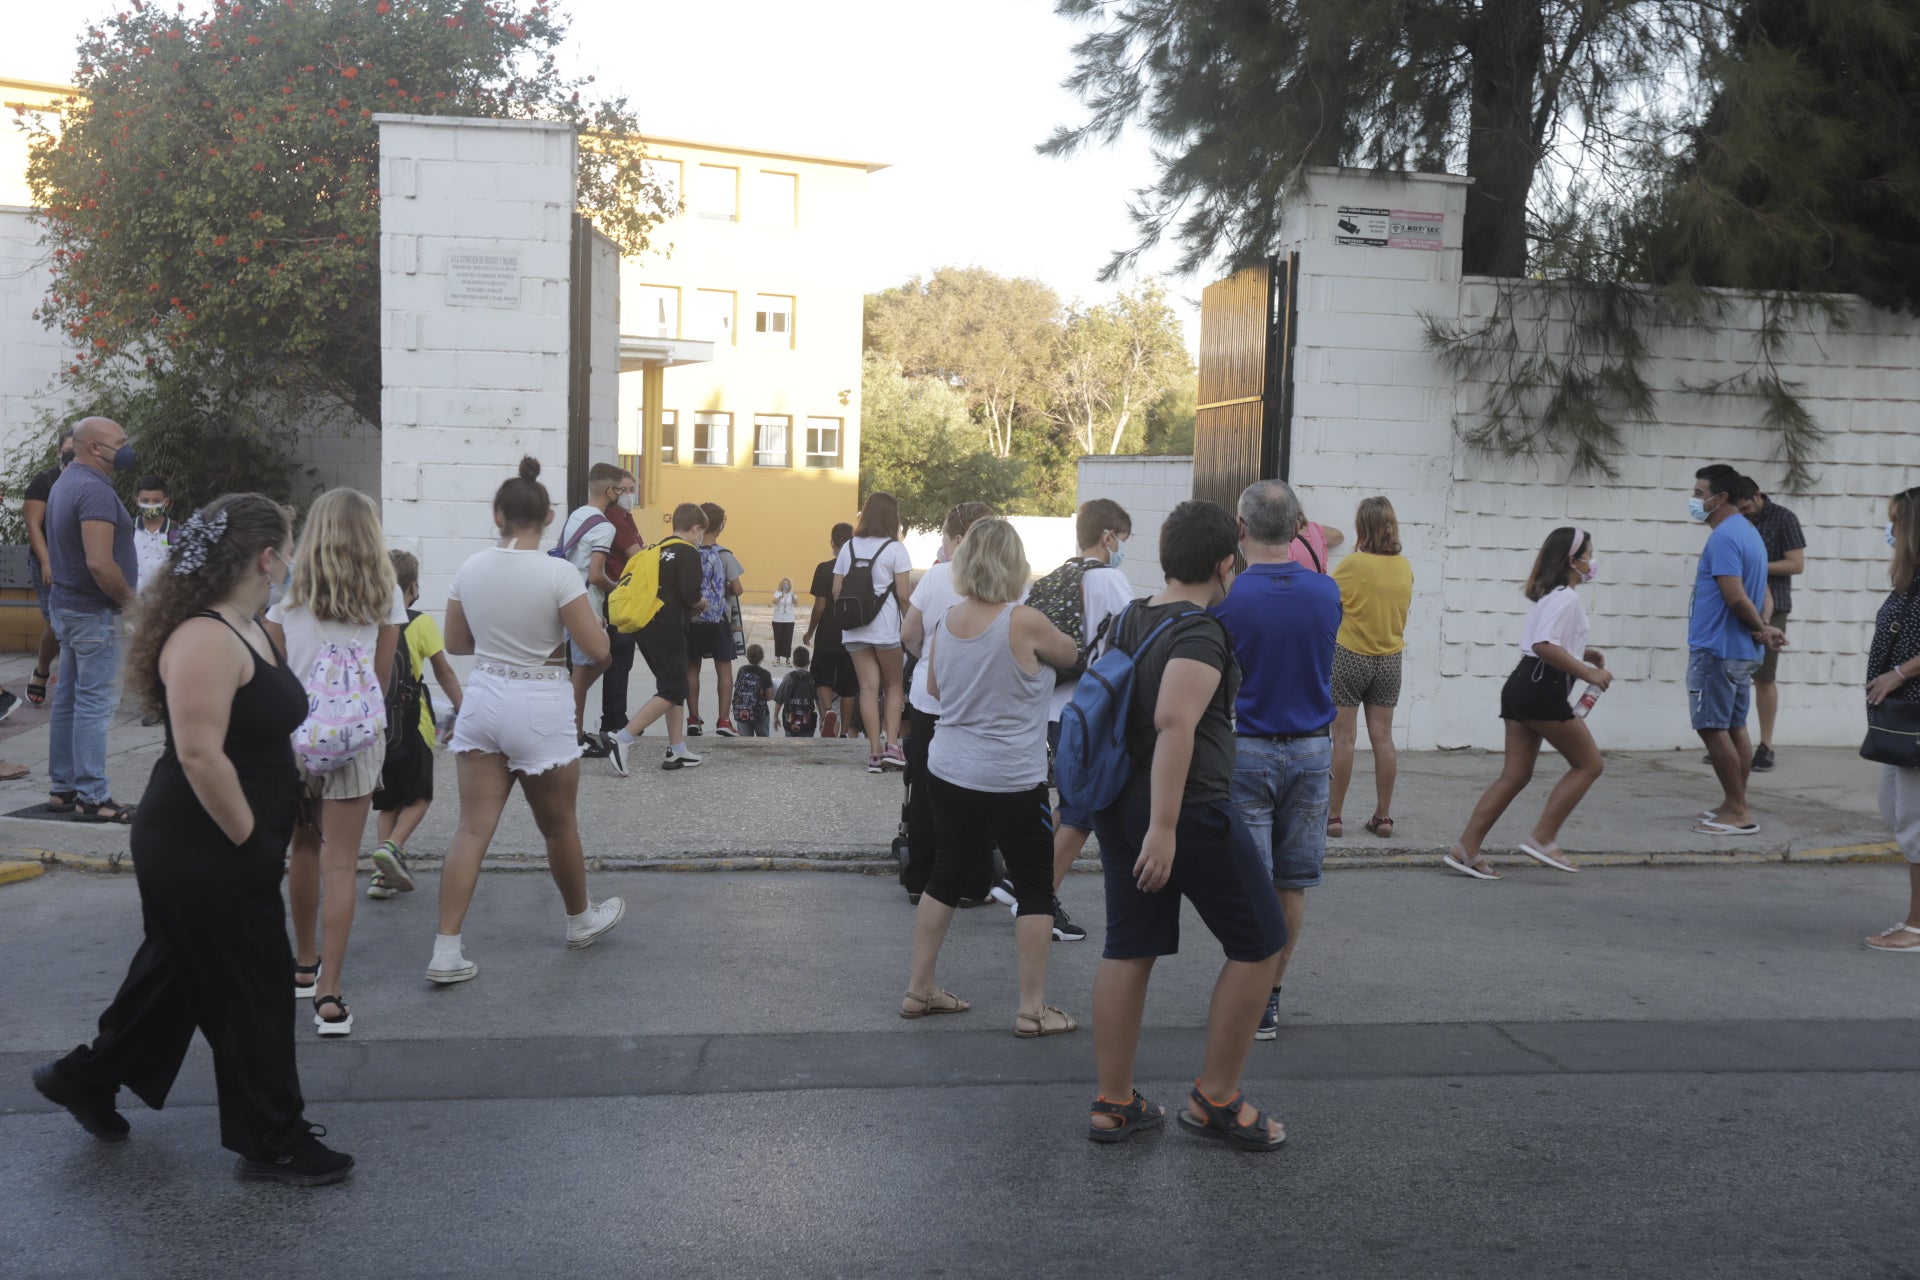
{"points": [[346, 712]]}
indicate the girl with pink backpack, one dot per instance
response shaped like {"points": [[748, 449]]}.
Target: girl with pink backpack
{"points": [[339, 626]]}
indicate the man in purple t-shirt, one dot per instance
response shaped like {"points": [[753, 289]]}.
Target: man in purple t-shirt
{"points": [[90, 546]]}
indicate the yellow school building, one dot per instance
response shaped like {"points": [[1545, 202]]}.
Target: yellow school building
{"points": [[20, 98], [740, 351]]}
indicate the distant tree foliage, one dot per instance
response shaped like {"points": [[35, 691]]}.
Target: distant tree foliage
{"points": [[919, 443], [211, 194]]}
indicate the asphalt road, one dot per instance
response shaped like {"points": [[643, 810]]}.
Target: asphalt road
{"points": [[1631, 1072]]}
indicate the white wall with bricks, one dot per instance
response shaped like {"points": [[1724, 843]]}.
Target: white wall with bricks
{"points": [[469, 388], [1374, 412], [31, 355]]}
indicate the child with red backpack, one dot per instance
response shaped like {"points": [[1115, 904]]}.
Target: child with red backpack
{"points": [[797, 698], [752, 693]]}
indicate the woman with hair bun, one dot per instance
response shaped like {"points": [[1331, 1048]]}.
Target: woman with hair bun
{"points": [[207, 842], [1536, 704], [512, 607]]}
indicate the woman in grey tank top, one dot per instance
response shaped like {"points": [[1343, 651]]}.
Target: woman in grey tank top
{"points": [[990, 663]]}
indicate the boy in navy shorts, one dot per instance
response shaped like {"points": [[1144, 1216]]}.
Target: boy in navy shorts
{"points": [[1175, 833]]}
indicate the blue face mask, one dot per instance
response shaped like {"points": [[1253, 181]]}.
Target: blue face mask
{"points": [[1890, 533], [1697, 508], [125, 459], [1119, 555]]}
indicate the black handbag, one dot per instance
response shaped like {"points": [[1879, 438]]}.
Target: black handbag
{"points": [[1893, 733]]}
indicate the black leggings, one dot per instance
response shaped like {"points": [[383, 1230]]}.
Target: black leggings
{"points": [[1020, 822], [783, 639]]}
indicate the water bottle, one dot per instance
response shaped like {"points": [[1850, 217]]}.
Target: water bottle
{"points": [[1588, 697]]}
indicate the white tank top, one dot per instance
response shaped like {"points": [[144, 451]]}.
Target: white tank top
{"points": [[993, 714]]}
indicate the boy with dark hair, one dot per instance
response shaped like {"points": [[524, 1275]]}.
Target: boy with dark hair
{"points": [[663, 643], [406, 779], [752, 692], [1786, 546], [833, 675], [153, 531], [799, 713], [1174, 833]]}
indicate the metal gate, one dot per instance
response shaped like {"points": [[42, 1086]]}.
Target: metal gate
{"points": [[1244, 429]]}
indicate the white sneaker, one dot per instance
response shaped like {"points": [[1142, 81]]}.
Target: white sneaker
{"points": [[616, 755], [460, 972], [680, 758], [597, 920]]}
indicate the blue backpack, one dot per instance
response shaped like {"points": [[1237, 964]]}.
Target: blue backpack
{"points": [[1092, 765], [713, 583]]}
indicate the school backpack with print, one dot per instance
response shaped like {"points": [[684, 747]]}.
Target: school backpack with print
{"points": [[749, 695], [404, 691], [859, 604], [563, 549], [346, 711], [799, 717], [713, 584], [635, 599], [1062, 596], [1092, 765]]}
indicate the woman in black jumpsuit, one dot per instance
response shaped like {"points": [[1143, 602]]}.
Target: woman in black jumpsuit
{"points": [[215, 956]]}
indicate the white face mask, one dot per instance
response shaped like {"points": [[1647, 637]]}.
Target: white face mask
{"points": [[628, 501]]}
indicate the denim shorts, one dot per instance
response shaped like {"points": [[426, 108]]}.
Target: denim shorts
{"points": [[1215, 867], [1719, 689], [1280, 789]]}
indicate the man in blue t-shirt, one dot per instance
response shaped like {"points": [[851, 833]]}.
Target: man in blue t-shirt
{"points": [[1283, 618], [1727, 634]]}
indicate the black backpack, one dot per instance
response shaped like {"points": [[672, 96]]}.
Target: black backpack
{"points": [[404, 692], [859, 604], [1061, 595]]}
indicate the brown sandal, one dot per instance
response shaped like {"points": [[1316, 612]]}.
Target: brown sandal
{"points": [[937, 1001], [1374, 826], [1031, 1026], [1336, 829]]}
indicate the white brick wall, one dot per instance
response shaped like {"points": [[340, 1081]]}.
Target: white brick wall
{"points": [[1374, 413], [30, 354], [468, 389]]}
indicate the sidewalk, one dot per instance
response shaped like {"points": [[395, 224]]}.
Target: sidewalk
{"points": [[784, 803]]}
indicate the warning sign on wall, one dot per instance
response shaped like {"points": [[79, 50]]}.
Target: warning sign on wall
{"points": [[1388, 228]]}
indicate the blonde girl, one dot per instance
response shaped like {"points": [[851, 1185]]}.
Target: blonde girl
{"points": [[343, 593], [785, 607], [1376, 591]]}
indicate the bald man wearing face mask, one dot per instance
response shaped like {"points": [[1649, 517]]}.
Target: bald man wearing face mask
{"points": [[89, 535]]}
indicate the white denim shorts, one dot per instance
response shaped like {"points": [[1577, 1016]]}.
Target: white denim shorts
{"points": [[524, 714]]}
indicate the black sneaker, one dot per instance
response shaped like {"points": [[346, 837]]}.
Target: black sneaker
{"points": [[94, 1111], [1269, 1028], [9, 703], [311, 1163], [1763, 759], [1064, 929], [695, 726], [1003, 894], [594, 747], [616, 755]]}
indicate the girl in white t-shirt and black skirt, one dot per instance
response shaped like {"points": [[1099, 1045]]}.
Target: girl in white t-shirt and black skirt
{"points": [[1537, 705]]}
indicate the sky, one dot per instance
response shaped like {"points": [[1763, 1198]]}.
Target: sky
{"points": [[953, 97]]}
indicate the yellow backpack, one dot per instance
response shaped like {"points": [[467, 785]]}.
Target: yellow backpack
{"points": [[636, 597]]}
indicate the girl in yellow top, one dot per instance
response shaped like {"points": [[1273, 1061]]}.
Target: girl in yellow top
{"points": [[1376, 590]]}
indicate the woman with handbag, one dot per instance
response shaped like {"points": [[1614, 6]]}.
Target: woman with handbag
{"points": [[1893, 709]]}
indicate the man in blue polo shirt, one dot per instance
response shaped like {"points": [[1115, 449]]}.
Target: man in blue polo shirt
{"points": [[1283, 619], [1727, 635]]}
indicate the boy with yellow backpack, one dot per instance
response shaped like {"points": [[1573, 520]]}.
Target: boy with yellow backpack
{"points": [[654, 600]]}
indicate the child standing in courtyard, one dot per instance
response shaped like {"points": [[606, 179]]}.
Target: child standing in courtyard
{"points": [[799, 714], [406, 780], [785, 602], [752, 692]]}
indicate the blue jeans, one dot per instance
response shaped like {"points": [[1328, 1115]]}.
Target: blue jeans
{"points": [[1280, 789], [84, 700], [1719, 689]]}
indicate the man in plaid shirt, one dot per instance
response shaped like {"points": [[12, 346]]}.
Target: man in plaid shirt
{"points": [[1786, 559]]}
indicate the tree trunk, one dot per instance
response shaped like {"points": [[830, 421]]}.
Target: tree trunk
{"points": [[1508, 50]]}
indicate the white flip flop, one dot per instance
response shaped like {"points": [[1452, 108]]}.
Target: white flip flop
{"points": [[1708, 827], [1547, 859], [1899, 928], [1466, 869]]}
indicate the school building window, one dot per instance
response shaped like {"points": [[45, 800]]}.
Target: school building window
{"points": [[659, 308], [713, 316], [823, 442], [713, 439], [669, 435], [773, 320], [717, 193], [776, 200], [664, 174], [770, 434]]}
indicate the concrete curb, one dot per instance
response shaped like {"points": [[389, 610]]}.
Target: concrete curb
{"points": [[21, 864]]}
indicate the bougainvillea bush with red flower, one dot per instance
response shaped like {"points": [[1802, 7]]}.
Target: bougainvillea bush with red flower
{"points": [[210, 195]]}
